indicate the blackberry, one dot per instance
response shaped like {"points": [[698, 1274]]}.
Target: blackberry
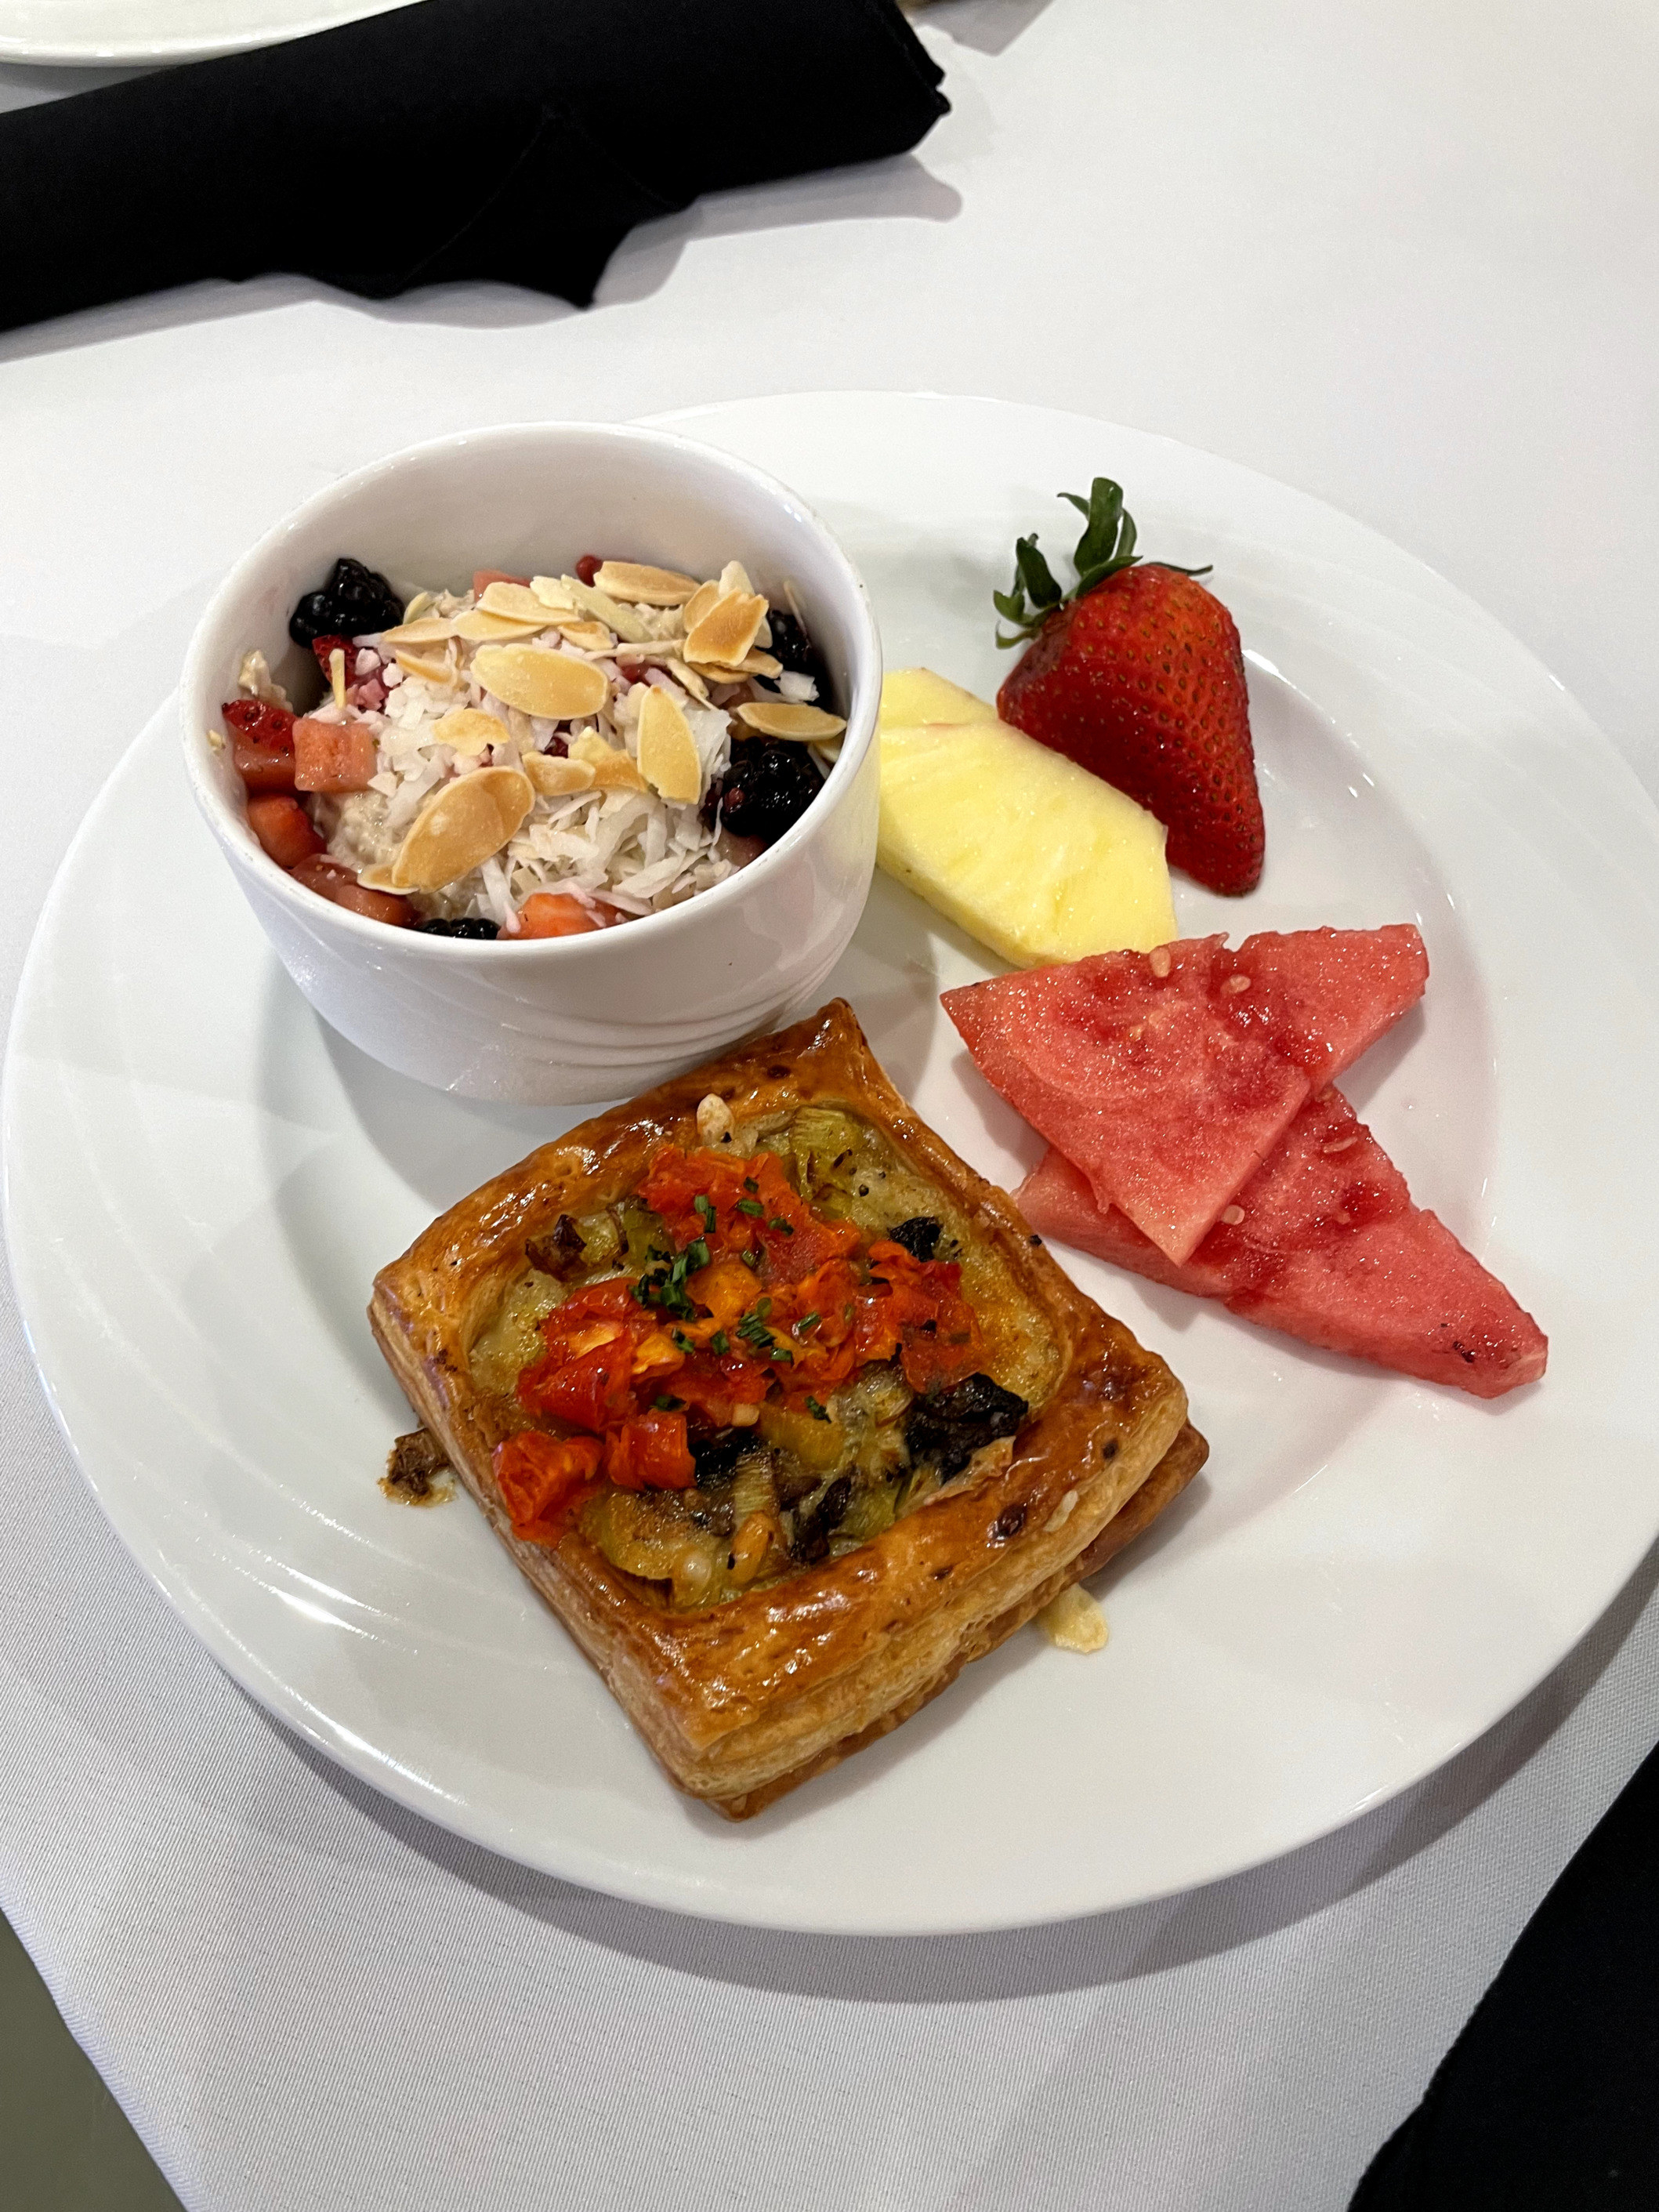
{"points": [[769, 786], [468, 927], [356, 602], [793, 647]]}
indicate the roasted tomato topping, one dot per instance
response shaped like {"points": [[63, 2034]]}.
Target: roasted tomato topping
{"points": [[545, 1481], [756, 1298]]}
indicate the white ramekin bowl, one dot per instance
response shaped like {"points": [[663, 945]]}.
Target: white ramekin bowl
{"points": [[557, 1020]]}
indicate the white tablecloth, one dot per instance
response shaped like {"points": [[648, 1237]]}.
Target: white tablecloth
{"points": [[1403, 257]]}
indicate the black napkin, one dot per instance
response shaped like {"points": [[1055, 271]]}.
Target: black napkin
{"points": [[519, 140], [1549, 2099]]}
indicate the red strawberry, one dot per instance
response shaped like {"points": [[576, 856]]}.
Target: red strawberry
{"points": [[1136, 674]]}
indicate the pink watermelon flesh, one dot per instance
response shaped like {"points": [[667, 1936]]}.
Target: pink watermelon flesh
{"points": [[1139, 1077], [1321, 997], [1330, 1249], [1169, 1090]]}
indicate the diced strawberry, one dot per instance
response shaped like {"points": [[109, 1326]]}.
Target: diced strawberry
{"points": [[483, 578], [283, 828], [323, 646], [332, 756], [264, 767], [555, 914], [262, 743], [332, 879]]}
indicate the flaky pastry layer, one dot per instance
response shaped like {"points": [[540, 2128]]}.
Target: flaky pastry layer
{"points": [[742, 1699]]}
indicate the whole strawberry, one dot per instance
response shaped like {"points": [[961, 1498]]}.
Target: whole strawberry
{"points": [[1136, 675]]}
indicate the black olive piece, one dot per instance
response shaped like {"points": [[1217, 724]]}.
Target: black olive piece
{"points": [[470, 926], [794, 650], [715, 1456], [562, 1253], [920, 1235], [792, 1487], [810, 1541], [356, 602], [769, 786], [953, 1424]]}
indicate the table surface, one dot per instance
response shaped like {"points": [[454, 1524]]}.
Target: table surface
{"points": [[1403, 258]]}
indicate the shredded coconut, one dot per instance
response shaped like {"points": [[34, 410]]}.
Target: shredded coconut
{"points": [[621, 851]]}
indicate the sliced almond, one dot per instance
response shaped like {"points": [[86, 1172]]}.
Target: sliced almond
{"points": [[668, 752], [604, 608], [557, 779], [517, 602], [465, 823], [554, 685], [779, 718], [468, 731], [734, 577], [728, 631], [430, 629], [479, 627], [418, 605], [379, 878], [1074, 1621], [552, 593], [689, 680], [752, 664], [698, 605], [612, 769], [586, 636], [428, 666], [644, 587], [337, 676]]}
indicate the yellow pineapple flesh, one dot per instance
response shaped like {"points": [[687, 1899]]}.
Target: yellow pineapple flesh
{"points": [[1018, 846]]}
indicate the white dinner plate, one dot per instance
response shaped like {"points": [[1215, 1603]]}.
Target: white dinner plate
{"points": [[138, 31], [202, 1180]]}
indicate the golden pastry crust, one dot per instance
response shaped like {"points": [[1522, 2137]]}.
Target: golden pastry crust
{"points": [[742, 1699]]}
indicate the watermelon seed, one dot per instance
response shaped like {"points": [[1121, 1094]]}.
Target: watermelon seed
{"points": [[1236, 983], [1339, 1145], [1233, 1215], [1158, 961]]}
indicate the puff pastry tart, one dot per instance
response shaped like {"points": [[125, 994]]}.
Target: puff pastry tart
{"points": [[781, 1406]]}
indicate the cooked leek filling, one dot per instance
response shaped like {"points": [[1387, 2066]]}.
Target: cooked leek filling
{"points": [[758, 1361]]}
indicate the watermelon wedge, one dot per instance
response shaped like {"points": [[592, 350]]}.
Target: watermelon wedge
{"points": [[1138, 1076], [1321, 997], [1168, 1076], [1329, 1247]]}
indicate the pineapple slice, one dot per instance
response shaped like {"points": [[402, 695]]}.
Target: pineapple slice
{"points": [[1019, 846], [909, 696]]}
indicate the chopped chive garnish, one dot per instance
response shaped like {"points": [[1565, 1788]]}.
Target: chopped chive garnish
{"points": [[669, 1405], [815, 1410], [751, 1205], [748, 1183], [778, 1222], [806, 1321], [720, 1344]]}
